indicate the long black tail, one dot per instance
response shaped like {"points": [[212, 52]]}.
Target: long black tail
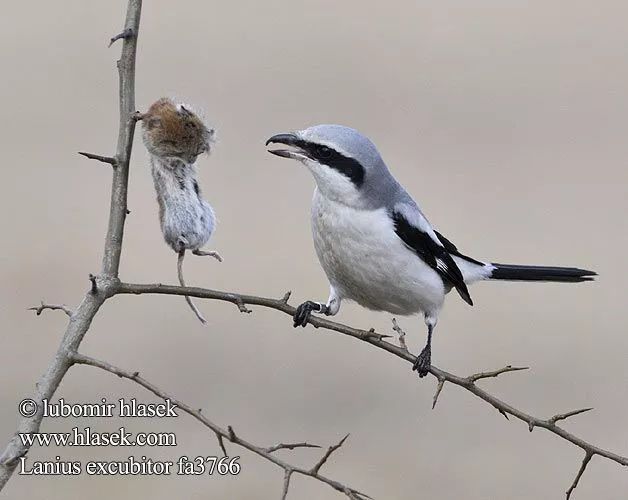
{"points": [[541, 273]]}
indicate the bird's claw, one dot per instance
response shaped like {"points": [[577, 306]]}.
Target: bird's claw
{"points": [[303, 312], [423, 362]]}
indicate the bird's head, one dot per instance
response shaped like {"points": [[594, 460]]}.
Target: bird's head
{"points": [[346, 165]]}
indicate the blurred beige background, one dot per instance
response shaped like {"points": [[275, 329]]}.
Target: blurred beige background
{"points": [[505, 120]]}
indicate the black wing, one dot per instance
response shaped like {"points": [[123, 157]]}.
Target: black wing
{"points": [[434, 255]]}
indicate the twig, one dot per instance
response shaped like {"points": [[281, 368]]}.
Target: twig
{"points": [[53, 307], [286, 484], [222, 444], [228, 433], [495, 373], [107, 285], [327, 454], [242, 307], [105, 159], [563, 416], [467, 383], [587, 458], [289, 446]]}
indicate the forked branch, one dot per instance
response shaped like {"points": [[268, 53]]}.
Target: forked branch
{"points": [[229, 433], [370, 336]]}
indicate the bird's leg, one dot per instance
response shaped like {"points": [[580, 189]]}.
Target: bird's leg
{"points": [[423, 361], [303, 312], [202, 253]]}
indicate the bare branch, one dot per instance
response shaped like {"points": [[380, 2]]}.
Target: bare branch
{"points": [[286, 484], [327, 454], [84, 314], [563, 416], [105, 159], [495, 373], [242, 307], [289, 446], [467, 383], [126, 131], [53, 307], [587, 458], [222, 444], [228, 433], [402, 337], [372, 334], [107, 284]]}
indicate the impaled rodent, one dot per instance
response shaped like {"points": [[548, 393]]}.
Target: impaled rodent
{"points": [[175, 136]]}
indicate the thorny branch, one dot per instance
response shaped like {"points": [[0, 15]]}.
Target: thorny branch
{"points": [[327, 454], [229, 433], [370, 336], [53, 307], [107, 284], [100, 289]]}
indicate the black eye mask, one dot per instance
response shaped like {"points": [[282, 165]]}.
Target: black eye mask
{"points": [[325, 155]]}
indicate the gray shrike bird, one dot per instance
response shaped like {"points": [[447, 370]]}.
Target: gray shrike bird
{"points": [[374, 243]]}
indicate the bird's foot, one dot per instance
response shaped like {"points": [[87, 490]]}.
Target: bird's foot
{"points": [[303, 312], [423, 361], [202, 253]]}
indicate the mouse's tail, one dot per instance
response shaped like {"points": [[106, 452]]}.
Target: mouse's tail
{"points": [[182, 283]]}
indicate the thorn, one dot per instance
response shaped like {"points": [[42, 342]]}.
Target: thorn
{"points": [[471, 379], [242, 307], [232, 435], [105, 159], [563, 416], [439, 387], [127, 33], [222, 444], [94, 288], [39, 309]]}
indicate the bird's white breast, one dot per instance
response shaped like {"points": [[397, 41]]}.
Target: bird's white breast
{"points": [[367, 262]]}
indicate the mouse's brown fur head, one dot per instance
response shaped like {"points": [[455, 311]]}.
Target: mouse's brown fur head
{"points": [[173, 130]]}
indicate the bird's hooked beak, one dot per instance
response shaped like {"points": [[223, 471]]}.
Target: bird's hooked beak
{"points": [[292, 140]]}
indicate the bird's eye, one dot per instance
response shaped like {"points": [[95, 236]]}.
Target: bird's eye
{"points": [[323, 151]]}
